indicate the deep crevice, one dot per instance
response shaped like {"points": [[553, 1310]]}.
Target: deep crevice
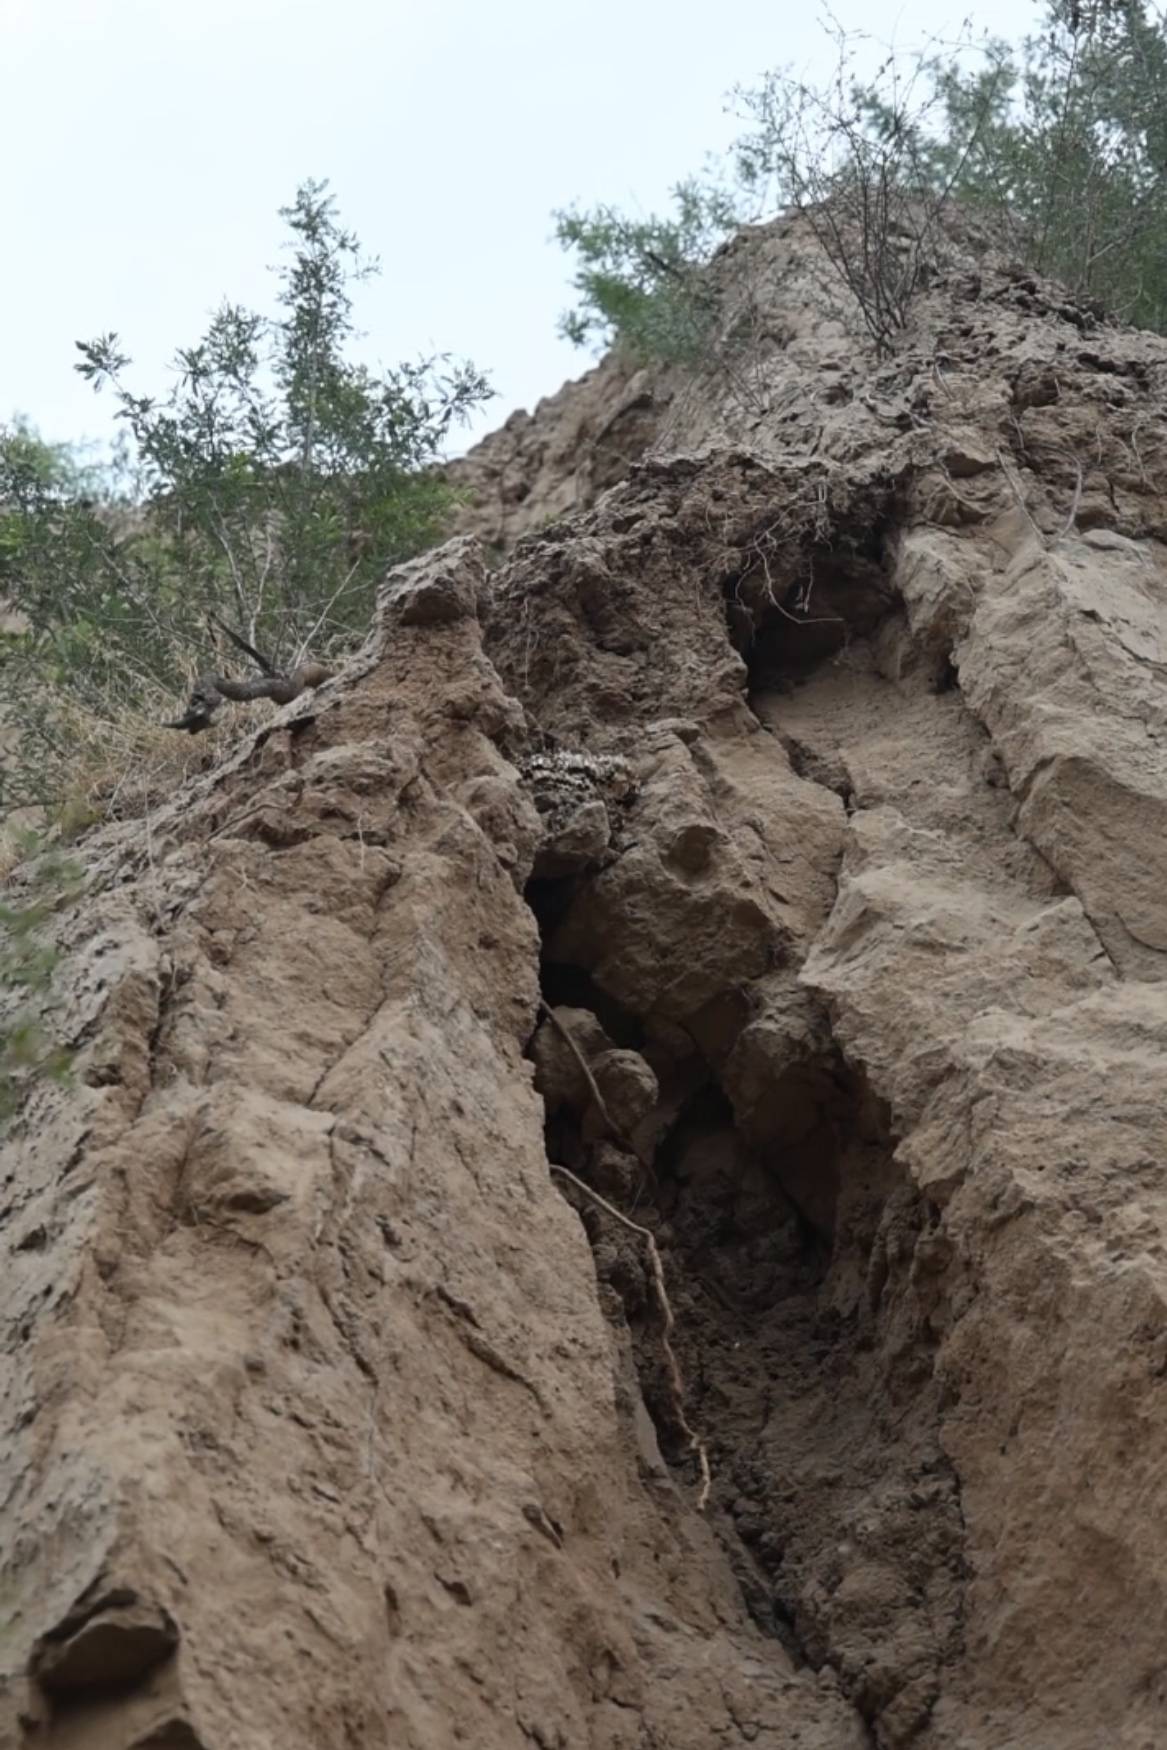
{"points": [[572, 986], [805, 1334], [577, 989], [835, 600]]}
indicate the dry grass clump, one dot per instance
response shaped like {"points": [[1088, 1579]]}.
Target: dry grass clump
{"points": [[77, 763], [123, 764]]}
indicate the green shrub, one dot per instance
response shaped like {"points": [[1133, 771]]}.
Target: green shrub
{"points": [[273, 486], [27, 963], [1059, 142], [1062, 142], [641, 282]]}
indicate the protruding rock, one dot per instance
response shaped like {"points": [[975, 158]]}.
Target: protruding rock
{"points": [[118, 1639], [574, 793], [558, 1076], [438, 587], [578, 844], [507, 818], [628, 1086]]}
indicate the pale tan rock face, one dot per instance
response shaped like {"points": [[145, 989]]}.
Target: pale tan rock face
{"points": [[541, 466], [812, 778], [317, 1434]]}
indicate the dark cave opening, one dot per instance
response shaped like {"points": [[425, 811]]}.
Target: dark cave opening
{"points": [[833, 602], [550, 898], [563, 983], [796, 604]]}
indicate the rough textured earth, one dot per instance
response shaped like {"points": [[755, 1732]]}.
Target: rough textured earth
{"points": [[777, 844], [539, 466]]}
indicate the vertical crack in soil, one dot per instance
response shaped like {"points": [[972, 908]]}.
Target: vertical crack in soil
{"points": [[812, 1282], [803, 1277]]}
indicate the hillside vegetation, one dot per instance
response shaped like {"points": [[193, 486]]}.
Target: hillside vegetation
{"points": [[1058, 142], [271, 487]]}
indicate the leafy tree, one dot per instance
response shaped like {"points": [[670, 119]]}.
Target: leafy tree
{"points": [[272, 486], [1063, 141], [640, 281], [1060, 141]]}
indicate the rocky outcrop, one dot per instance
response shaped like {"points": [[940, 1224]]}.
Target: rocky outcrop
{"points": [[541, 466], [315, 1430], [774, 848]]}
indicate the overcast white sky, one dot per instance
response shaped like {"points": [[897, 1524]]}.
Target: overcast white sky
{"points": [[150, 142]]}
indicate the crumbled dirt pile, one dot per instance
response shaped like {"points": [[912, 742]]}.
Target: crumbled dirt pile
{"points": [[778, 847]]}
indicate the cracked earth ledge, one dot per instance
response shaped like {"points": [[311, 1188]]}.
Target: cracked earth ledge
{"points": [[811, 771]]}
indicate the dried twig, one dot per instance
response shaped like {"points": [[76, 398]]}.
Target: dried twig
{"points": [[340, 589], [1020, 496], [772, 598], [1136, 452], [1073, 516], [676, 1382]]}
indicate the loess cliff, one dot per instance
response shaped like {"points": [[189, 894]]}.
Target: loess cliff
{"points": [[775, 837]]}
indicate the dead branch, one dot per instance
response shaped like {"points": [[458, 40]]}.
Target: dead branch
{"points": [[262, 663], [771, 595], [676, 1382], [1020, 496], [1073, 516], [211, 691]]}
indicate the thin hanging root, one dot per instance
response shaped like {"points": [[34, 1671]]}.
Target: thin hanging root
{"points": [[676, 1383], [593, 1085]]}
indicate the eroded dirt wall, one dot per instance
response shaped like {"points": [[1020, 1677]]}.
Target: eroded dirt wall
{"points": [[812, 780], [316, 1433]]}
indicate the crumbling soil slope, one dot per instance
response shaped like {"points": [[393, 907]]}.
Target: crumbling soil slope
{"points": [[538, 467], [777, 848]]}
